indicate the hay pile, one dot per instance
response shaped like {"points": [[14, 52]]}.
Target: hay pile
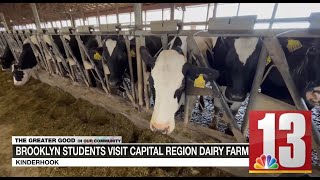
{"points": [[37, 109]]}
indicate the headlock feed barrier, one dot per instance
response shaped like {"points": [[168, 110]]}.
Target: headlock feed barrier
{"points": [[51, 59]]}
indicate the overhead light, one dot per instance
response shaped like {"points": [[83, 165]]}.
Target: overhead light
{"points": [[11, 20], [23, 18], [70, 10]]}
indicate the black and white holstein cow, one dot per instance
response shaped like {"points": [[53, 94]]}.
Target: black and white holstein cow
{"points": [[238, 68], [27, 61], [168, 73]]}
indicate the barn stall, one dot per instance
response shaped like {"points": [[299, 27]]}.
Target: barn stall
{"points": [[134, 106]]}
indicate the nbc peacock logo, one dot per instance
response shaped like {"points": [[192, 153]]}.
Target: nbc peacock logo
{"points": [[266, 162]]}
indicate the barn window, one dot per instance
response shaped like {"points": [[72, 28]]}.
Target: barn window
{"points": [[154, 15], [132, 18], [196, 13], [42, 25], [290, 10], [261, 26], [111, 19], [262, 10], [227, 9], [34, 26], [166, 14], [77, 22], [124, 18], [48, 24], [69, 23], [92, 20], [289, 25], [103, 19], [64, 23], [194, 27], [178, 14]]}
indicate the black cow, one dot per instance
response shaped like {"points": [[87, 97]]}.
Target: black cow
{"points": [[27, 60], [7, 58]]}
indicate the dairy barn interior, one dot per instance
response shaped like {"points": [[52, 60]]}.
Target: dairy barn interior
{"points": [[63, 94]]}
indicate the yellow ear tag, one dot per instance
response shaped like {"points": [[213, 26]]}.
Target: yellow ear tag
{"points": [[132, 53], [293, 45], [268, 60], [200, 82], [97, 56]]}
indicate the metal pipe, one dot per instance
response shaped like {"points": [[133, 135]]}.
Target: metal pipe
{"points": [[215, 10], [255, 86], [98, 16], [117, 13], [138, 22], [279, 59], [162, 13], [36, 15], [72, 21], [273, 14], [172, 11], [4, 22], [145, 78], [207, 15], [238, 9]]}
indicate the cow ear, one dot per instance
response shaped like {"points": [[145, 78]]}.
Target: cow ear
{"points": [[193, 72], [146, 57]]}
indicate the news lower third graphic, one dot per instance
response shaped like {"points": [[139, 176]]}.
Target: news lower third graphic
{"points": [[108, 151], [280, 142]]}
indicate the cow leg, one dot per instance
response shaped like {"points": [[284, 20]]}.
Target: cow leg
{"points": [[215, 118]]}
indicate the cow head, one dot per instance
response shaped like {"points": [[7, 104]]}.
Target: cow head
{"points": [[22, 71], [307, 77], [116, 58], [241, 62], [168, 71]]}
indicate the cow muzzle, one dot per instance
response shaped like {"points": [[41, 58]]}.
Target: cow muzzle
{"points": [[313, 96], [235, 95], [161, 128]]}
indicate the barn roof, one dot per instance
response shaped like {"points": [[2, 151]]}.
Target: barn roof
{"points": [[21, 13]]}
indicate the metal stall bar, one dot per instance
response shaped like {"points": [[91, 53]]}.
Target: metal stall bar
{"points": [[60, 59], [145, 78], [16, 37], [84, 52], [73, 61], [38, 39], [138, 22], [49, 57], [279, 59], [130, 68], [21, 33], [231, 122], [207, 18], [172, 11], [257, 81], [13, 46], [3, 43], [273, 14]]}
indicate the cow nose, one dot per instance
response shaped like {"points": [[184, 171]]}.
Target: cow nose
{"points": [[235, 95], [114, 84], [161, 128]]}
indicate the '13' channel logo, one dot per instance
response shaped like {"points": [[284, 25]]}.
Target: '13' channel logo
{"points": [[280, 142]]}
